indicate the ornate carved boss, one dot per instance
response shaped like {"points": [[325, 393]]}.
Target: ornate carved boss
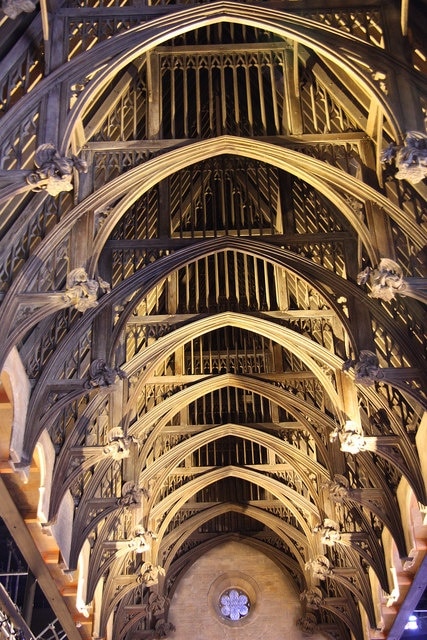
{"points": [[410, 159], [313, 598], [351, 437], [13, 8], [140, 540], [308, 624], [319, 567], [386, 280], [54, 172], [131, 495], [338, 488], [329, 531], [149, 574], [157, 603], [119, 444], [102, 375], [82, 292], [366, 368], [163, 628]]}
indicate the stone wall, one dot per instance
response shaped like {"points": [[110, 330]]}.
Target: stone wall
{"points": [[274, 605]]}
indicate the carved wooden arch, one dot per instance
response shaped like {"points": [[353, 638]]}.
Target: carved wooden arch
{"points": [[304, 348], [320, 278], [296, 406], [151, 172], [326, 179], [158, 270], [176, 537], [357, 581], [328, 41], [282, 529], [290, 498], [58, 356], [346, 610], [116, 586], [165, 463], [282, 448], [102, 559], [406, 445], [174, 456], [307, 350]]}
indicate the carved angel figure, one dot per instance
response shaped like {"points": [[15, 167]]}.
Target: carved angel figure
{"points": [[351, 437], [118, 446], [139, 542], [366, 368], [338, 488], [81, 292], [307, 624], [329, 530], [313, 597], [131, 495], [157, 603], [149, 574], [319, 567], [13, 8], [410, 159], [102, 375], [54, 172], [386, 280], [163, 628]]}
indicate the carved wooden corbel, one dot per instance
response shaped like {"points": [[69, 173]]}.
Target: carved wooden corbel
{"points": [[53, 172], [410, 158], [387, 280], [13, 8]]}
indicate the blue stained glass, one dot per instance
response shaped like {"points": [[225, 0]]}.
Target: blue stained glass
{"points": [[234, 605]]}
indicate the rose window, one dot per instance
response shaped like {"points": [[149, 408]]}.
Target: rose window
{"points": [[234, 604]]}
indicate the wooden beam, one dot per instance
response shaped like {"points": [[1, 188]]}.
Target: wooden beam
{"points": [[416, 590], [28, 548], [404, 11]]}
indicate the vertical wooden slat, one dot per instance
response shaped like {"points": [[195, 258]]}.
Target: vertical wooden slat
{"points": [[223, 99], [198, 108], [267, 285], [261, 94], [173, 100], [313, 107], [249, 100], [185, 91], [217, 285], [237, 117], [274, 99], [256, 282], [226, 276]]}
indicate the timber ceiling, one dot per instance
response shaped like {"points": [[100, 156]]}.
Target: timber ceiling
{"points": [[232, 193]]}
